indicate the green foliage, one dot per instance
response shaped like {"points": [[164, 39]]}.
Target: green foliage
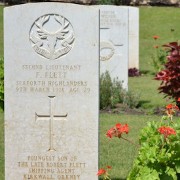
{"points": [[117, 92], [105, 90], [131, 99], [161, 21], [105, 2], [159, 157], [112, 2], [112, 93], [159, 59]]}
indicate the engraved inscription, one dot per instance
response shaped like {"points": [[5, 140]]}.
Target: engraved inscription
{"points": [[53, 80], [51, 117], [61, 167], [49, 42], [106, 51], [110, 18]]}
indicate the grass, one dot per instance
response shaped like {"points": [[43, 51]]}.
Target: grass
{"points": [[161, 21], [1, 146], [150, 99], [118, 153]]}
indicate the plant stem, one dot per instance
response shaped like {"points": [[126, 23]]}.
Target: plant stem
{"points": [[137, 145]]}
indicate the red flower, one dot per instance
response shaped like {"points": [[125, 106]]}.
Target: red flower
{"points": [[101, 172], [171, 109], [125, 129], [178, 99], [109, 167], [122, 128], [155, 37], [118, 126], [110, 133], [166, 131], [117, 130], [169, 106]]}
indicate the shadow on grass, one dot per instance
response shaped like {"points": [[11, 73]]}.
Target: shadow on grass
{"points": [[145, 72], [2, 105], [141, 103]]}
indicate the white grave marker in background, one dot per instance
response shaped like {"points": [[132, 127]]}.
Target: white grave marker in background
{"points": [[133, 37], [114, 42]]}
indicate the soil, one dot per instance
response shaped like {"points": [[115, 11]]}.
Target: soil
{"points": [[123, 109]]}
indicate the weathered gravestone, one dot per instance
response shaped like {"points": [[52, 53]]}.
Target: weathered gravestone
{"points": [[114, 42], [133, 37], [51, 92]]}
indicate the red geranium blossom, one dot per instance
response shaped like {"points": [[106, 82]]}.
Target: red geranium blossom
{"points": [[104, 172], [171, 109], [101, 172], [166, 131], [110, 133], [117, 130], [169, 106], [122, 128], [155, 37]]}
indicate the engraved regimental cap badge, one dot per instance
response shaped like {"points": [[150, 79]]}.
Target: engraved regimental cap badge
{"points": [[106, 50], [52, 36]]}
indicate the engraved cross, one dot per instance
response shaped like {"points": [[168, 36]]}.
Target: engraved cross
{"points": [[51, 118]]}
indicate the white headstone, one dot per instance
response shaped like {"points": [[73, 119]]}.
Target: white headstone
{"points": [[51, 92], [114, 42], [133, 37]]}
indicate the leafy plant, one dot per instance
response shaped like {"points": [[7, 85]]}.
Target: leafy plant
{"points": [[159, 154], [131, 99], [112, 93], [170, 75], [105, 90], [158, 57], [132, 72], [159, 148], [114, 2]]}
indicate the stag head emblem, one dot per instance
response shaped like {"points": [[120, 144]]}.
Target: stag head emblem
{"points": [[52, 44]]}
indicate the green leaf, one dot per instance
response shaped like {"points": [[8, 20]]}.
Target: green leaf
{"points": [[177, 166]]}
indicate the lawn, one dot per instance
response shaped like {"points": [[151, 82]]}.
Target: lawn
{"points": [[160, 21], [1, 146], [118, 153]]}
